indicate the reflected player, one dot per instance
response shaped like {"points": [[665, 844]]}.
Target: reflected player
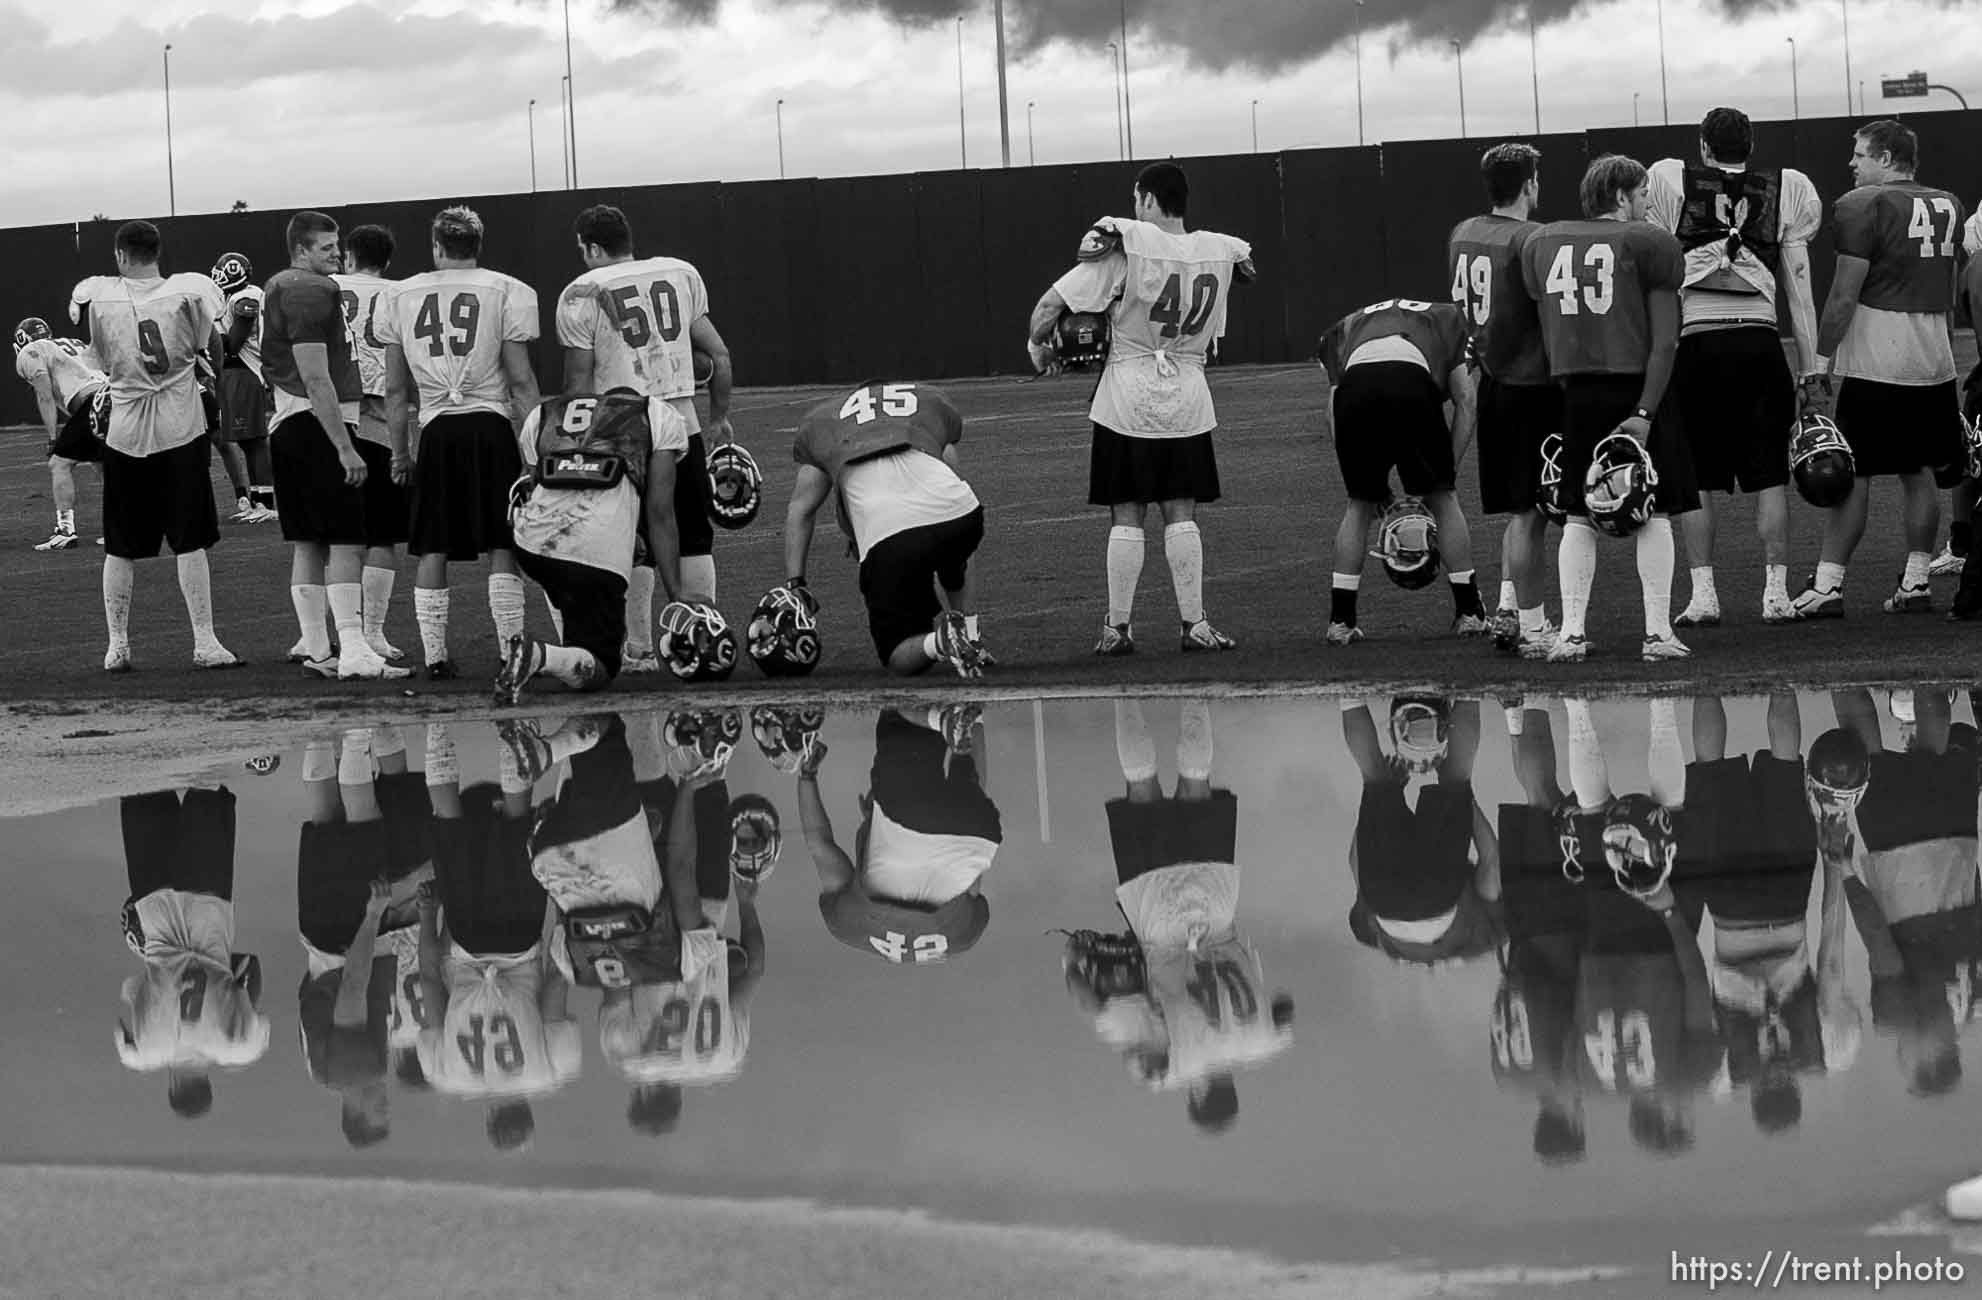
{"points": [[1165, 291], [193, 1010], [243, 393], [1954, 556], [1180, 995], [72, 396]]}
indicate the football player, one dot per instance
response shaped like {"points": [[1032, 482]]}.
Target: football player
{"points": [[73, 396], [1427, 877], [1180, 995], [243, 393], [1165, 291], [364, 292], [1743, 228], [1954, 556], [146, 329], [1885, 336], [887, 455], [1518, 406], [1393, 368], [460, 336], [1608, 291], [601, 473], [639, 323], [331, 482], [912, 893], [194, 1007]]}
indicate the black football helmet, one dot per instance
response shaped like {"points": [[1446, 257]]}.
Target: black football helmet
{"points": [[29, 330], [696, 642], [1639, 844], [1081, 338], [736, 487], [1821, 462], [783, 636], [1407, 543], [1548, 485], [787, 737], [232, 271], [1971, 436], [1619, 486], [700, 738]]}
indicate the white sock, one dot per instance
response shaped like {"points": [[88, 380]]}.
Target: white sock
{"points": [[1517, 719], [354, 759], [509, 774], [1830, 577], [377, 582], [430, 609], [1508, 600], [1775, 580], [1194, 748], [387, 742], [1125, 547], [1667, 763], [1184, 548], [970, 627], [1916, 569], [639, 611], [930, 650], [319, 761], [576, 668], [506, 607], [312, 609], [196, 585], [1655, 559], [118, 575], [1703, 583], [1134, 746], [698, 574], [65, 521], [1534, 620], [1589, 775], [347, 611], [1576, 572], [443, 762]]}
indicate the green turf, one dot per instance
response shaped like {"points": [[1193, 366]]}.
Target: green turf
{"points": [[1041, 579]]}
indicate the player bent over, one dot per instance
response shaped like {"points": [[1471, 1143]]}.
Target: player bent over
{"points": [[1608, 289], [887, 453], [1393, 367], [599, 471], [73, 397]]}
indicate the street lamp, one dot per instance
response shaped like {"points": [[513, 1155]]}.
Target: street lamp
{"points": [[963, 141], [1535, 72], [1031, 159], [781, 139], [1128, 105], [1115, 69], [1634, 108], [1795, 98], [1845, 5], [1255, 126], [571, 99], [533, 146], [564, 123], [1004, 114], [1665, 96], [171, 182], [1459, 55], [1359, 71]]}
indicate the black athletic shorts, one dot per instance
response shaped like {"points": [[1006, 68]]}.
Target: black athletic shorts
{"points": [[1592, 407], [921, 786], [317, 505], [165, 498], [1918, 796], [1411, 863], [1123, 471], [600, 795], [899, 576], [179, 843], [494, 905], [81, 438], [1737, 403], [1747, 839], [1391, 414], [1148, 836], [591, 601], [1900, 428], [1514, 420], [245, 406], [388, 505], [692, 501], [467, 463]]}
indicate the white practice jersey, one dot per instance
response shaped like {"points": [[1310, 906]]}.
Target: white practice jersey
{"points": [[364, 297], [403, 945], [188, 1009], [59, 371], [251, 347], [1747, 292], [1216, 1008], [635, 317], [146, 334], [451, 325], [1181, 906], [683, 1032], [494, 1040], [589, 526]]}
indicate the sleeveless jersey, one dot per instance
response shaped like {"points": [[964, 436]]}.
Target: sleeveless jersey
{"points": [[493, 1041], [61, 370], [146, 334], [304, 307], [192, 1005], [1593, 282], [1216, 1008], [250, 354], [588, 456], [687, 1031], [451, 325], [363, 297], [634, 317], [1435, 331], [1909, 235], [1166, 296], [1733, 226], [1485, 256]]}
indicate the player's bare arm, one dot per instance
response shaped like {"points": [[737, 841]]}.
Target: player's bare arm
{"points": [[216, 350], [523, 394], [835, 868], [1800, 292], [399, 397], [313, 365], [663, 541], [245, 312], [433, 957], [705, 337], [751, 931], [1465, 409], [1486, 844], [1841, 307], [1662, 305], [678, 860], [351, 1010], [807, 495], [1039, 335], [579, 364], [51, 414]]}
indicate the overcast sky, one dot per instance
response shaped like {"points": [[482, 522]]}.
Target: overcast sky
{"points": [[293, 102]]}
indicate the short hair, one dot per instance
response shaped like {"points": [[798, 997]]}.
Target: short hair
{"points": [[139, 241], [457, 232], [1607, 177], [511, 1124], [655, 1110], [1656, 1131], [190, 1095], [1166, 183], [371, 246], [1215, 1107], [606, 226], [1938, 1075], [305, 226], [359, 1130], [1891, 137], [1559, 1138], [1839, 758], [1728, 135], [1507, 169], [1777, 1102]]}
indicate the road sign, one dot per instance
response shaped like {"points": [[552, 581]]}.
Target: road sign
{"points": [[1911, 86]]}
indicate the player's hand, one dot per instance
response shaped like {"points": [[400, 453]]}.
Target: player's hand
{"points": [[402, 467], [429, 897], [1045, 360], [1636, 426], [814, 758], [1813, 393], [719, 433], [378, 898], [354, 465], [1660, 900]]}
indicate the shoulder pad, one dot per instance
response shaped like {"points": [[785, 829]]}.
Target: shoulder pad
{"points": [[1101, 239]]}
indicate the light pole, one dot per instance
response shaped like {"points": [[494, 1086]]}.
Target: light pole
{"points": [[1459, 56], [1861, 97], [963, 141], [1535, 71], [533, 146], [1031, 158], [1004, 115], [1634, 108], [171, 181], [1665, 96], [1115, 69], [1128, 105], [1845, 5], [1359, 71], [571, 99], [564, 124], [1795, 97], [1255, 126], [781, 139]]}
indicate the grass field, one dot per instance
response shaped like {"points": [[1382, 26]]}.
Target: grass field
{"points": [[1041, 579]]}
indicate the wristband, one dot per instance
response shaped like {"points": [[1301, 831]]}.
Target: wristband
{"points": [[1642, 414], [796, 583]]}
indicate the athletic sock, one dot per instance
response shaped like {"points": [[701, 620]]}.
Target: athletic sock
{"points": [[443, 763], [430, 610], [639, 611], [1775, 580], [1342, 598], [312, 608], [1534, 620], [506, 607], [1184, 548], [1916, 569], [1655, 559], [378, 583], [319, 761], [1958, 534], [65, 521], [1194, 744], [1508, 600], [1576, 572], [575, 667], [118, 576], [354, 758], [387, 742], [698, 574], [1589, 775], [1666, 763], [1135, 748], [347, 611], [1703, 584], [1830, 577], [1466, 595], [196, 585], [1125, 547]]}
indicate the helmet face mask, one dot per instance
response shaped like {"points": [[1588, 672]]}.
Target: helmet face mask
{"points": [[1618, 490], [1081, 338], [786, 736], [1407, 543], [1638, 844], [1821, 462], [736, 487], [756, 838], [1971, 434]]}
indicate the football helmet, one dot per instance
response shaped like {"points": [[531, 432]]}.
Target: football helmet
{"points": [[756, 838], [704, 369], [787, 737], [1618, 488], [696, 642], [736, 487], [30, 329], [1568, 837], [1407, 543], [1107, 966], [1971, 435], [232, 271], [1821, 462], [1638, 844], [1420, 729], [1548, 486], [698, 739], [1081, 338], [783, 635]]}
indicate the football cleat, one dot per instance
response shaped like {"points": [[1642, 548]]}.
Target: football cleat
{"points": [[232, 271], [756, 838], [1657, 649], [954, 646], [1081, 338], [959, 723], [215, 656], [59, 540], [524, 660], [1813, 603], [1780, 609], [442, 671], [1946, 564], [1700, 613], [1619, 488], [360, 663], [1569, 649], [384, 649], [242, 509], [117, 659], [1821, 462], [325, 667], [1910, 600], [528, 749], [736, 486], [1469, 626], [1117, 639], [1342, 634], [1506, 628], [29, 330], [1971, 438], [984, 656], [1202, 636], [695, 642], [1407, 543], [782, 637], [300, 652], [1538, 644]]}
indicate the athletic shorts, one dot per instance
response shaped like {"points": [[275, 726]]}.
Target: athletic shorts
{"points": [[1737, 402], [1592, 407], [693, 526], [1746, 838], [466, 465], [591, 601], [1149, 836], [600, 795], [165, 498], [317, 504], [1917, 796], [81, 438], [1540, 901], [179, 843], [1125, 471], [1391, 414], [899, 576], [1411, 863], [494, 905], [245, 406], [1514, 421], [912, 783], [1900, 428]]}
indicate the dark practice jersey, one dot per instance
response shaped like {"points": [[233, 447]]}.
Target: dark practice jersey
{"points": [[1436, 330], [1487, 282], [304, 307], [1631, 1006], [877, 420], [1593, 282], [1909, 233]]}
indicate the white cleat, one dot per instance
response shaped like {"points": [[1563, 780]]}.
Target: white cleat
{"points": [[1910, 600], [1700, 613], [117, 659], [243, 508], [1779, 609], [214, 656], [58, 541], [1814, 602], [1947, 564], [360, 663], [1569, 650], [1470, 627], [1657, 649]]}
